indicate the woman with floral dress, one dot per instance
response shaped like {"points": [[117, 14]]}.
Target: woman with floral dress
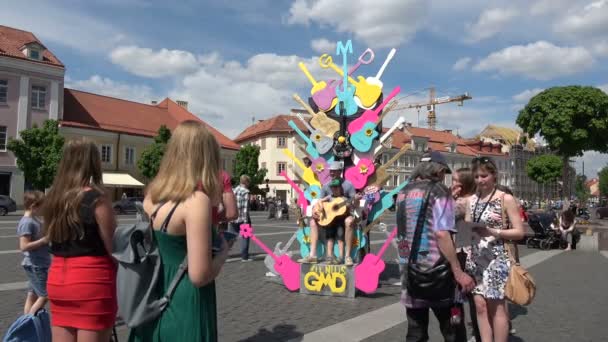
{"points": [[488, 261]]}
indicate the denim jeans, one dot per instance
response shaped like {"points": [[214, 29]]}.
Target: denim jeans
{"points": [[418, 324], [236, 228], [37, 279]]}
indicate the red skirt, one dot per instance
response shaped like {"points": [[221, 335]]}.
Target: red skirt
{"points": [[82, 292]]}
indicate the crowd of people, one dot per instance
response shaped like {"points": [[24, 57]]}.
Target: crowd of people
{"points": [[464, 231]]}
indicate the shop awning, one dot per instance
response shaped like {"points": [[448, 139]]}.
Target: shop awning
{"points": [[123, 180]]}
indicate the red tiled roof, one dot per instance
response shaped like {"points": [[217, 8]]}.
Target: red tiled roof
{"points": [[275, 124], [93, 111], [441, 140], [12, 40]]}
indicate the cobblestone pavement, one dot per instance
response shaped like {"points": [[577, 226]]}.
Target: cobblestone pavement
{"points": [[570, 304]]}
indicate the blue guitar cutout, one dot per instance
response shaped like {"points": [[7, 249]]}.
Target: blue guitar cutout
{"points": [[346, 95]]}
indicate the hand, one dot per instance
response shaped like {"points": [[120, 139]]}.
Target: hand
{"points": [[465, 281], [456, 191], [45, 239]]}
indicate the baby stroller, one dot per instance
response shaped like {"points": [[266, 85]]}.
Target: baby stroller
{"points": [[544, 236], [284, 211]]}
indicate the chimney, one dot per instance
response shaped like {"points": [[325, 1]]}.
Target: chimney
{"points": [[409, 125], [154, 103], [448, 131], [182, 103]]}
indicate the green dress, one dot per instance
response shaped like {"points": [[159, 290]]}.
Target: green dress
{"points": [[191, 315]]}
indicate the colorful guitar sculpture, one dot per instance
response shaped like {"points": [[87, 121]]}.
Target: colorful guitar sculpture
{"points": [[359, 173], [313, 192], [287, 268], [363, 139], [326, 99], [386, 201], [346, 94], [384, 139], [310, 148], [302, 202], [278, 251], [367, 273], [320, 167], [316, 86], [319, 120], [359, 241], [322, 142], [307, 174], [375, 82], [381, 176], [371, 115], [304, 240]]}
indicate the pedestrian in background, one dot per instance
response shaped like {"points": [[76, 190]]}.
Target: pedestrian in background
{"points": [[36, 257], [179, 202], [242, 203], [79, 222]]}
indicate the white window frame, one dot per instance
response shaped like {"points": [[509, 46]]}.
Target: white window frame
{"points": [[30, 51], [111, 148], [279, 142], [5, 138], [279, 168], [126, 160], [37, 91], [4, 88]]}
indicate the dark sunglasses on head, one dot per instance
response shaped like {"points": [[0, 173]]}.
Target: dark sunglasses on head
{"points": [[483, 160]]}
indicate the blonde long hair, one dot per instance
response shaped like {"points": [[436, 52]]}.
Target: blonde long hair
{"points": [[192, 157], [80, 167]]}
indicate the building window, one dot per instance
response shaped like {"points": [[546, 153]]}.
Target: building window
{"points": [[395, 180], [263, 144], [38, 97], [264, 165], [129, 155], [281, 142], [3, 138], [106, 153], [281, 166], [3, 91], [34, 54]]}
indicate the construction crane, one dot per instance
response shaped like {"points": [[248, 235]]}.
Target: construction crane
{"points": [[430, 105]]}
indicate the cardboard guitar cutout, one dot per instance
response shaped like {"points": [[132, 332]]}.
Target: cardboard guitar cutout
{"points": [[371, 115], [359, 173], [376, 82], [367, 273], [363, 139], [346, 101], [302, 201], [322, 142], [319, 166], [307, 174]]}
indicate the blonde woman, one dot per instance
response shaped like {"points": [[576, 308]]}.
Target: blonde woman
{"points": [[79, 223], [179, 202]]}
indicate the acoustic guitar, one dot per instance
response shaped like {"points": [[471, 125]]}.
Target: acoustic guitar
{"points": [[330, 210]]}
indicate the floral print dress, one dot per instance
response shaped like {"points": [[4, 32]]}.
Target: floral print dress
{"points": [[488, 262]]}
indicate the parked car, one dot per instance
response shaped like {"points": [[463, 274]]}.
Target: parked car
{"points": [[7, 205], [127, 205], [601, 212]]}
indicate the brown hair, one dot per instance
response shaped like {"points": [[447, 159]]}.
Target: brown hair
{"points": [[567, 217], [192, 158], [80, 167], [32, 199], [466, 179], [486, 164]]}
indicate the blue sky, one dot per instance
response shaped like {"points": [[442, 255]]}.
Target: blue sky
{"points": [[235, 60]]}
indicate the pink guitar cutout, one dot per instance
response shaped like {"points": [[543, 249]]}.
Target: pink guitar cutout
{"points": [[367, 273], [359, 173], [371, 115], [287, 268], [302, 201]]}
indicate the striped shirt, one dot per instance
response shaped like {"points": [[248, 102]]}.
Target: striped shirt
{"points": [[242, 203]]}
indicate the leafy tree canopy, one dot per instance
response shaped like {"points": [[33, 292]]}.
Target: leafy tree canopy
{"points": [[544, 169], [150, 159], [246, 163]]}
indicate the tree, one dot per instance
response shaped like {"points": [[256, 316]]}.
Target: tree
{"points": [[603, 178], [581, 189], [38, 152], [246, 163], [150, 159], [571, 119], [544, 169]]}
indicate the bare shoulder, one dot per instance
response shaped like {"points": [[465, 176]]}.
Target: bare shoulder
{"points": [[197, 202], [510, 200]]}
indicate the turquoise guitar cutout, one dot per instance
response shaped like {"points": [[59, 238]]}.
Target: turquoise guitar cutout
{"points": [[304, 240], [362, 139], [310, 147], [313, 192], [359, 241], [385, 202], [346, 95]]}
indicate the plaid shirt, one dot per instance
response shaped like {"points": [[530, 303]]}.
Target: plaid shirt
{"points": [[242, 203]]}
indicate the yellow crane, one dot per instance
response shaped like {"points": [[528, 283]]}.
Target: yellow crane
{"points": [[430, 105]]}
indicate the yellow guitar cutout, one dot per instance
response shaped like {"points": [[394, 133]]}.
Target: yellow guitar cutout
{"points": [[308, 174]]}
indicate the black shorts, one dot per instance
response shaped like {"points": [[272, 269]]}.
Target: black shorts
{"points": [[336, 229]]}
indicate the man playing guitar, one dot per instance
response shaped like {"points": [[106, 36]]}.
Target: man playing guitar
{"points": [[341, 188]]}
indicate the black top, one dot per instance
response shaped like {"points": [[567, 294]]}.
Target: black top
{"points": [[90, 244]]}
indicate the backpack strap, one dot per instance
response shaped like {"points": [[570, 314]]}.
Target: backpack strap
{"points": [[419, 225], [153, 216], [183, 267], [163, 227]]}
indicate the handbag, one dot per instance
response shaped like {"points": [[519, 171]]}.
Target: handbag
{"points": [[433, 284], [520, 288]]}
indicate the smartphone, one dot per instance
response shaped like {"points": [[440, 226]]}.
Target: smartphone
{"points": [[217, 243]]}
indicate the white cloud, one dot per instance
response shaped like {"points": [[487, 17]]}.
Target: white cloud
{"points": [[323, 45], [601, 49], [594, 162], [149, 63], [541, 60], [542, 7], [105, 86], [380, 23], [526, 95], [490, 22], [604, 87], [592, 20], [461, 64]]}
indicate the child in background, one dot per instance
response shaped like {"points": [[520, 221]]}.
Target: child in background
{"points": [[36, 257]]}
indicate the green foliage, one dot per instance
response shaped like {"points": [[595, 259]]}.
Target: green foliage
{"points": [[581, 190], [603, 177], [150, 159], [38, 152], [544, 169], [246, 163]]}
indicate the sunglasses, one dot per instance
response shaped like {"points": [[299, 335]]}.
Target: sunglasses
{"points": [[483, 160]]}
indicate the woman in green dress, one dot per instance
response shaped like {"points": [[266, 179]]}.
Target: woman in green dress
{"points": [[187, 181]]}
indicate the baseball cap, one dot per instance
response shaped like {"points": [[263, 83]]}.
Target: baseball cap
{"points": [[335, 182], [436, 157], [336, 165]]}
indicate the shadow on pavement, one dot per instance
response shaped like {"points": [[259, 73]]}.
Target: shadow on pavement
{"points": [[281, 332], [517, 310]]}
